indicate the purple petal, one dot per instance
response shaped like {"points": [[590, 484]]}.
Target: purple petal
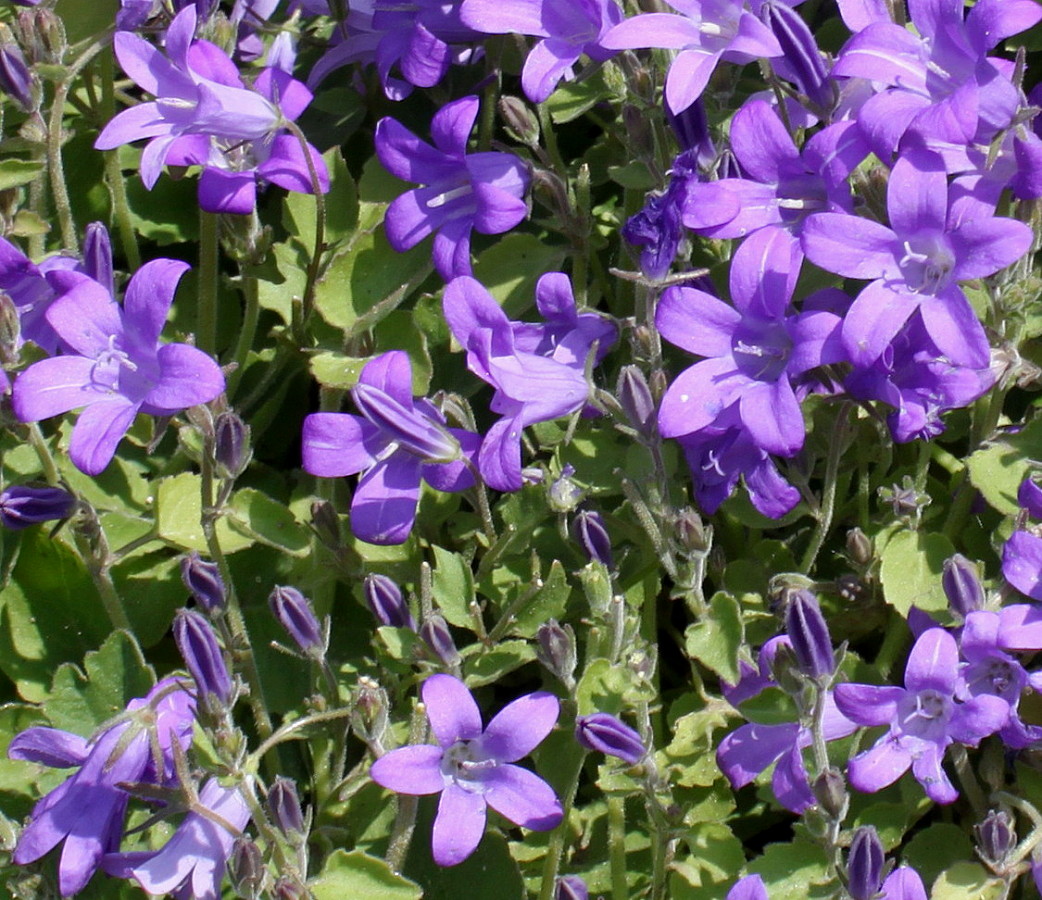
{"points": [[698, 395], [390, 373], [749, 888], [874, 319], [977, 718], [54, 386], [751, 748], [187, 378], [452, 124], [879, 766], [137, 123], [459, 827], [288, 168], [517, 729], [983, 247], [453, 714], [868, 704], [523, 798], [383, 508], [49, 747], [469, 306], [930, 774], [904, 884], [547, 63], [148, 298], [334, 444], [764, 272], [99, 429], [496, 17], [790, 784], [688, 76], [761, 143], [414, 770], [1021, 555], [954, 327], [917, 193], [291, 96], [696, 321], [500, 456], [85, 315], [664, 30], [149, 68], [933, 663], [772, 415], [455, 476], [1020, 627], [451, 249], [407, 157], [850, 246], [234, 193]]}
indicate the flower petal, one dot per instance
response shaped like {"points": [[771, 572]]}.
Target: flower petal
{"points": [[414, 770], [459, 827], [523, 798], [383, 508], [99, 428], [335, 444], [518, 728], [453, 714]]}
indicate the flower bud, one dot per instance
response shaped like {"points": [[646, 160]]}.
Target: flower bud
{"points": [[326, 523], [830, 791], [571, 887], [996, 836], [563, 493], [97, 256], [638, 132], [555, 649], [859, 547], [809, 635], [288, 889], [589, 532], [419, 435], [247, 869], [691, 531], [204, 582], [691, 126], [635, 399], [10, 331], [202, 654], [865, 864], [801, 62], [24, 505], [369, 718], [519, 120], [284, 808], [16, 79], [386, 602], [294, 612], [435, 633], [282, 54], [606, 734], [231, 436], [962, 586]]}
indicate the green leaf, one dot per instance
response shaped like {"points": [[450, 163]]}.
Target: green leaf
{"points": [[936, 848], [488, 666], [573, 98], [911, 571], [693, 747], [714, 856], [179, 511], [86, 18], [15, 172], [489, 871], [357, 874], [548, 603], [341, 205], [334, 370], [255, 515], [453, 585], [716, 639], [151, 586], [998, 469], [510, 268], [609, 688], [633, 176], [966, 881], [795, 871], [112, 676], [770, 707], [276, 288]]}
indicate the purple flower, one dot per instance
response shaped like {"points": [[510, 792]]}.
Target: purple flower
{"points": [[916, 263], [192, 863], [24, 505], [606, 734], [530, 387], [472, 768], [924, 717], [205, 115], [461, 191], [753, 350], [116, 366], [568, 30], [86, 811], [396, 442], [1022, 563], [751, 887], [903, 884], [706, 32]]}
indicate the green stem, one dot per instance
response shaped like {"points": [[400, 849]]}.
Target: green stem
{"points": [[248, 331], [964, 772], [405, 817], [315, 263], [209, 247], [113, 172], [828, 494], [552, 863], [617, 847], [56, 167], [43, 453]]}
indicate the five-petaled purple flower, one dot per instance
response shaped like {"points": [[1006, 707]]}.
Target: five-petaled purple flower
{"points": [[923, 717], [116, 367], [396, 443], [461, 191], [473, 768]]}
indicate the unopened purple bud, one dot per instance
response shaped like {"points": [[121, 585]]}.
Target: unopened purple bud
{"points": [[284, 807], [692, 130], [294, 612], [996, 836], [859, 547], [589, 532], [247, 869], [555, 649], [865, 864], [386, 602], [571, 887], [802, 63], [605, 733], [16, 79], [24, 505], [288, 889], [830, 790], [231, 437], [519, 120], [635, 399], [202, 654], [809, 635], [962, 586], [435, 633], [204, 582], [1029, 495], [97, 256]]}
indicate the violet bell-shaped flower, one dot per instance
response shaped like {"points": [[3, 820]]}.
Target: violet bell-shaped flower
{"points": [[568, 31], [461, 191], [917, 262], [924, 718], [396, 443], [87, 810], [115, 367], [473, 768]]}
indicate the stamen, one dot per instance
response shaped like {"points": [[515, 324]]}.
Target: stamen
{"points": [[443, 198]]}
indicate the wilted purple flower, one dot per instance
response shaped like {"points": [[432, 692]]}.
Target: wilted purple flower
{"points": [[386, 601], [865, 864], [22, 505], [916, 263], [605, 733], [203, 580], [461, 191], [568, 30], [116, 366], [809, 636], [657, 227], [294, 612], [472, 768], [86, 811], [205, 115], [396, 442], [706, 32], [754, 350], [192, 863], [924, 717], [203, 657], [530, 387]]}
